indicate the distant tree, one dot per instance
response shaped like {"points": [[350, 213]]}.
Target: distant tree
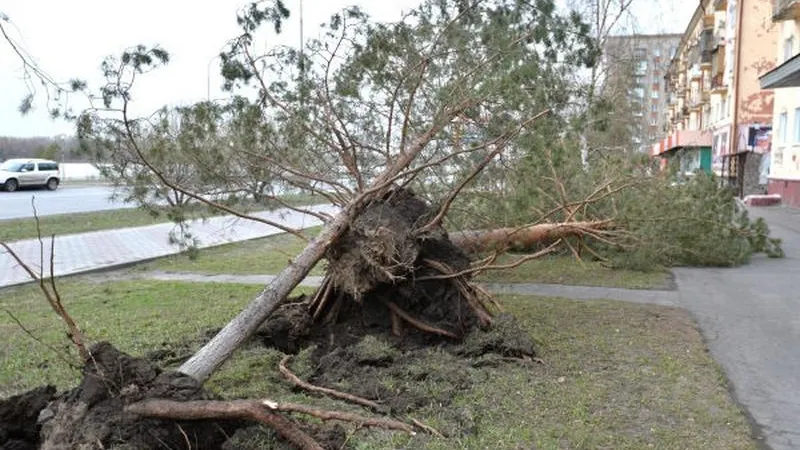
{"points": [[51, 151]]}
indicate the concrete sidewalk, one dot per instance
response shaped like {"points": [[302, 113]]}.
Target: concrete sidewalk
{"points": [[86, 252], [653, 297], [750, 316]]}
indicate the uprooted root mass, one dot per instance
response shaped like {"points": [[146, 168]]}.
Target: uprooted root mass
{"points": [[391, 270]]}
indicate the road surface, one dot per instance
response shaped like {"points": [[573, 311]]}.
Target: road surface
{"points": [[750, 316], [65, 200]]}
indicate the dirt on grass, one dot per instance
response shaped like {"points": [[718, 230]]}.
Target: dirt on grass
{"points": [[393, 301]]}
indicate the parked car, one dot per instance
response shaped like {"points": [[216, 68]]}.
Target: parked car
{"points": [[16, 173]]}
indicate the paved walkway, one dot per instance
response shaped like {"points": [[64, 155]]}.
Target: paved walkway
{"points": [[750, 317], [85, 252], [660, 297]]}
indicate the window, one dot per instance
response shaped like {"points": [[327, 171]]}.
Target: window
{"points": [[28, 167], [48, 166], [777, 156], [654, 108], [783, 120], [797, 125], [654, 94], [657, 51], [788, 48]]}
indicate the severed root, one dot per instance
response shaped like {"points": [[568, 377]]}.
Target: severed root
{"points": [[234, 410], [321, 297], [397, 324], [475, 297], [428, 428], [364, 421], [263, 411], [323, 390], [418, 323]]}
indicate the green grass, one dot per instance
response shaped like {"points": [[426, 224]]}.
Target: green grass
{"points": [[265, 256], [63, 224], [569, 271], [271, 254], [616, 375], [136, 316]]}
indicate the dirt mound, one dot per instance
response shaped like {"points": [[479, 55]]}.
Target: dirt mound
{"points": [[19, 429], [363, 359], [91, 416], [392, 270]]}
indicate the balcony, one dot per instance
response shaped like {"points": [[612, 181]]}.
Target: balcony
{"points": [[708, 21], [785, 10], [718, 85], [682, 139], [696, 73], [706, 47]]}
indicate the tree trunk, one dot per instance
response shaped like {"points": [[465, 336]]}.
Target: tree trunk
{"points": [[203, 363], [523, 238]]}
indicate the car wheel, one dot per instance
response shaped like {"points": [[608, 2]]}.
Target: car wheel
{"points": [[11, 185], [52, 184]]}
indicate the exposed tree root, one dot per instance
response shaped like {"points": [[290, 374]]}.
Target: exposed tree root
{"points": [[321, 296], [476, 298], [263, 411], [254, 410], [294, 379], [422, 326]]}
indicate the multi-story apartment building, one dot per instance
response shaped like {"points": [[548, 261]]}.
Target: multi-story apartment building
{"points": [[784, 170], [718, 116], [640, 61]]}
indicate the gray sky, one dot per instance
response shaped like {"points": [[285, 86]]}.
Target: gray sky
{"points": [[69, 39]]}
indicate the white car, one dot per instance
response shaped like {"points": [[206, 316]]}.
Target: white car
{"points": [[16, 173]]}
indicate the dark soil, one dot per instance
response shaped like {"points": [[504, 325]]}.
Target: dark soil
{"points": [[92, 415], [19, 429], [363, 358], [384, 257]]}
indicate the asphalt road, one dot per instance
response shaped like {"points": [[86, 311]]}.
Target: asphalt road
{"points": [[750, 316], [65, 200]]}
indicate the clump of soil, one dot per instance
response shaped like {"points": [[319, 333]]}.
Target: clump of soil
{"points": [[389, 254], [402, 374], [92, 415], [19, 429]]}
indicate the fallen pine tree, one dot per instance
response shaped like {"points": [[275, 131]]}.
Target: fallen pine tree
{"points": [[528, 236]]}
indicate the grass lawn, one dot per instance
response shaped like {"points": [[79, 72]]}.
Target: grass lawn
{"points": [[567, 270], [616, 375], [269, 255], [62, 224], [265, 256]]}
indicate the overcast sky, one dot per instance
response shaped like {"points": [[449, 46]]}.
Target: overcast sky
{"points": [[69, 39]]}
